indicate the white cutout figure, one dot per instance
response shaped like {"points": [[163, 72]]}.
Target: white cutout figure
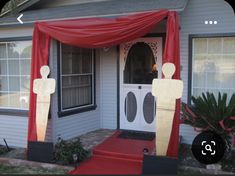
{"points": [[166, 92], [43, 87]]}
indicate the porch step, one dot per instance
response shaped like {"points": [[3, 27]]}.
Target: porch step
{"points": [[101, 165], [123, 148], [116, 156]]}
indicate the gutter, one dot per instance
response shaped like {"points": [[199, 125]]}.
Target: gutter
{"points": [[31, 23]]}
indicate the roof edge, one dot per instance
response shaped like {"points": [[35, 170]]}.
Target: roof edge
{"points": [[20, 7], [30, 23]]}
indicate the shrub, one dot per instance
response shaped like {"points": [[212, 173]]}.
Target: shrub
{"points": [[207, 113], [64, 151], [3, 150]]}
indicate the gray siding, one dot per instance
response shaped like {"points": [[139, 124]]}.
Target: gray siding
{"points": [[15, 128], [12, 32], [192, 22], [108, 89], [73, 125]]}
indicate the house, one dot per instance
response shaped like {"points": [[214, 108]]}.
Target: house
{"points": [[110, 87]]}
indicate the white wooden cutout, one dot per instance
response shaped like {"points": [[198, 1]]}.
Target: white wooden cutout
{"points": [[166, 91], [43, 87]]}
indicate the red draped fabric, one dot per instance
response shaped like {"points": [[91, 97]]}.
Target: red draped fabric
{"points": [[172, 54], [103, 32]]}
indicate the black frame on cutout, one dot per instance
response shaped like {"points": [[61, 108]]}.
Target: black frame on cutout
{"points": [[190, 55], [63, 113]]}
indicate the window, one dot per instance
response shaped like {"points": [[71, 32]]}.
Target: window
{"points": [[76, 78], [213, 65], [140, 63], [15, 59]]}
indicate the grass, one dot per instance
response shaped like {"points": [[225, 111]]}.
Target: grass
{"points": [[188, 172], [228, 162], [3, 150], [186, 158], [26, 170]]}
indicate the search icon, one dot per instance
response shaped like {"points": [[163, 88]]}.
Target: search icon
{"points": [[208, 147]]}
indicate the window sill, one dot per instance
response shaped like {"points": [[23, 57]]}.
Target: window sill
{"points": [[14, 112], [76, 111]]}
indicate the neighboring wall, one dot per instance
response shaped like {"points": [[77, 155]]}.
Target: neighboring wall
{"points": [[12, 127], [74, 125], [192, 21]]}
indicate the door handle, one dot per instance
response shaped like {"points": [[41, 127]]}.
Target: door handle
{"points": [[139, 87]]}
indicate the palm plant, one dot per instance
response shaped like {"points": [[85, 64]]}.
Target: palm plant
{"points": [[209, 113]]}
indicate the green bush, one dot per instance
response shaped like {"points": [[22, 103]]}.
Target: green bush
{"points": [[209, 113], [3, 150], [64, 151]]}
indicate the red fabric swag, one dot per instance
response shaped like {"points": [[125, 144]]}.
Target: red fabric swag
{"points": [[103, 32]]}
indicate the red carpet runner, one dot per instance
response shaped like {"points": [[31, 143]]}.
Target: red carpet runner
{"points": [[116, 156]]}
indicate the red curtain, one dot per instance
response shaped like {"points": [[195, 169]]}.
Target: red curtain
{"points": [[172, 54], [102, 32]]}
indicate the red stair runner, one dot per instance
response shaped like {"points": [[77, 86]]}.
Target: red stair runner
{"points": [[115, 156]]}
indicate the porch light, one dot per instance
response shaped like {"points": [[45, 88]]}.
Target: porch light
{"points": [[154, 67], [106, 49]]}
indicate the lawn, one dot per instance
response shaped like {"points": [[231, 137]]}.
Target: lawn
{"points": [[26, 170], [183, 172], [186, 158]]}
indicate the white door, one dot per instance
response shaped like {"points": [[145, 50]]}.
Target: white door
{"points": [[140, 63]]}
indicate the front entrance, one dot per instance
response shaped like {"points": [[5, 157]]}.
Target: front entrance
{"points": [[140, 63]]}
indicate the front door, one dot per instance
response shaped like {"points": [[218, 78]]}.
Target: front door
{"points": [[140, 63]]}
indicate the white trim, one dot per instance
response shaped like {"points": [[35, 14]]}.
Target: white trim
{"points": [[139, 124]]}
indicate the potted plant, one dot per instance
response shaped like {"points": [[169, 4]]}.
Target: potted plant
{"points": [[208, 113]]}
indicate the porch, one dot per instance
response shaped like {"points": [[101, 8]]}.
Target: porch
{"points": [[96, 95], [187, 163]]}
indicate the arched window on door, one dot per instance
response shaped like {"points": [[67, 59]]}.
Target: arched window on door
{"points": [[140, 65]]}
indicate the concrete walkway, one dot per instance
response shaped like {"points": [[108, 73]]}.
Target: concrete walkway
{"points": [[91, 139], [17, 157], [25, 163]]}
